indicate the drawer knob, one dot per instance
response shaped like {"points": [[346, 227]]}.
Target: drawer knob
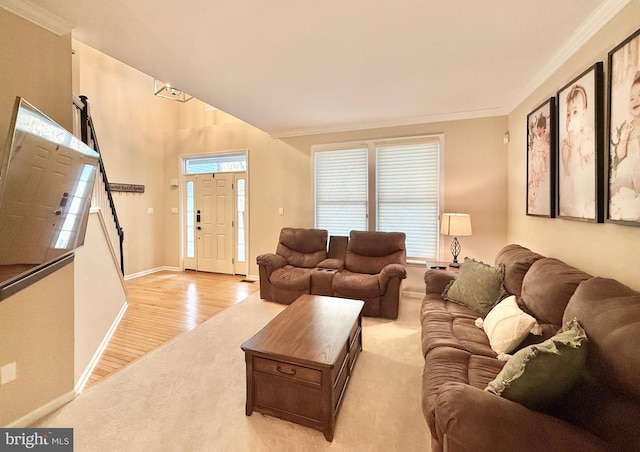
{"points": [[286, 370]]}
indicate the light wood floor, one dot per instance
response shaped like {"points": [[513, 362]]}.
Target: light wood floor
{"points": [[163, 305]]}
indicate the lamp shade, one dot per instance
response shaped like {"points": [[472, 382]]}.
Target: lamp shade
{"points": [[456, 224]]}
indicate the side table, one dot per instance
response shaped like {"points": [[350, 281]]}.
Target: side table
{"points": [[442, 265]]}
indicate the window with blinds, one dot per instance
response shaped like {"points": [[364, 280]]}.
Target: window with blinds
{"points": [[384, 186], [341, 186], [408, 182]]}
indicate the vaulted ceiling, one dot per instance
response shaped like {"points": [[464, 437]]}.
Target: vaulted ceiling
{"points": [[293, 67]]}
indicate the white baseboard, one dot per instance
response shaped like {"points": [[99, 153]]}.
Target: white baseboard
{"points": [[82, 381], [44, 410], [413, 294], [153, 270]]}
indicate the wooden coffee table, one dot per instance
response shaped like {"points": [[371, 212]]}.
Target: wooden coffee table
{"points": [[299, 364]]}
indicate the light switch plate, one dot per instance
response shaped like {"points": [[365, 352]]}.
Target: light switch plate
{"points": [[7, 373]]}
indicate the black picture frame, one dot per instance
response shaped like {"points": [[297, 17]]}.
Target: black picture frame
{"points": [[623, 156], [580, 160], [541, 160]]}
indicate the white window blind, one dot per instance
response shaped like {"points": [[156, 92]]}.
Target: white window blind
{"points": [[403, 175], [408, 181], [341, 185]]}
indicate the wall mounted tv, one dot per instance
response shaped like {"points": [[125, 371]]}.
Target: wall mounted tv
{"points": [[46, 185]]}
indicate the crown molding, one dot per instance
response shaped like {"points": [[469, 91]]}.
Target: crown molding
{"points": [[428, 119], [594, 23], [598, 19], [37, 15]]}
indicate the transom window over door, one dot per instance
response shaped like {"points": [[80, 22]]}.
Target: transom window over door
{"points": [[391, 185], [223, 163]]}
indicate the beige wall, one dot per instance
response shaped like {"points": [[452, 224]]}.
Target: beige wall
{"points": [[36, 332], [609, 250], [36, 65], [36, 324], [474, 180], [279, 176], [130, 122], [280, 170], [95, 310]]}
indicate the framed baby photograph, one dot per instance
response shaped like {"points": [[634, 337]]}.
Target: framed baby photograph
{"points": [[623, 187], [541, 145], [581, 147]]}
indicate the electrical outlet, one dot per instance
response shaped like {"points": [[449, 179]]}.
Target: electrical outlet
{"points": [[281, 211], [7, 373], [150, 210]]}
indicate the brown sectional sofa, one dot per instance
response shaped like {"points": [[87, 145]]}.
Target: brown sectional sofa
{"points": [[600, 413], [367, 265]]}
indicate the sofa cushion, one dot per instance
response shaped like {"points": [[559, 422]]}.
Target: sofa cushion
{"points": [[331, 264], [478, 286], [356, 285], [516, 260], [303, 247], [370, 251], [538, 375], [444, 365], [451, 325], [507, 325], [436, 281], [292, 278], [469, 419], [609, 312], [607, 401], [546, 290]]}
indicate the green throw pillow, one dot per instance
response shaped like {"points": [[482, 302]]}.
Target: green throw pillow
{"points": [[478, 286], [540, 374]]}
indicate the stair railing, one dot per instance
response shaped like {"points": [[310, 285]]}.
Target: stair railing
{"points": [[102, 197]]}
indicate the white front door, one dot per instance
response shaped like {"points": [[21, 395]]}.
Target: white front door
{"points": [[213, 220]]}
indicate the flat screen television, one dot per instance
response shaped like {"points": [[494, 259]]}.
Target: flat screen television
{"points": [[46, 186]]}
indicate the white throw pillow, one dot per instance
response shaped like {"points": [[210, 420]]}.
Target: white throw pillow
{"points": [[506, 326]]}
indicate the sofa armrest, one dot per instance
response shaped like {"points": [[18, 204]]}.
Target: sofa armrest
{"points": [[270, 262], [391, 271], [470, 419], [437, 280]]}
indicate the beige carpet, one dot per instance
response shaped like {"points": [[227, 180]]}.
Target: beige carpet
{"points": [[189, 394]]}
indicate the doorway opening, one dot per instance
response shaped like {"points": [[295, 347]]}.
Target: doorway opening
{"points": [[215, 213]]}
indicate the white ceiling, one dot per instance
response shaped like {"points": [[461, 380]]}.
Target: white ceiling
{"points": [[294, 67]]}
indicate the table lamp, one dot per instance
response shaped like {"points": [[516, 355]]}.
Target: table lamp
{"points": [[455, 224]]}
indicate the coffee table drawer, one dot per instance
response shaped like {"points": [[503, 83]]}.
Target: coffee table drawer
{"points": [[355, 347], [287, 370]]}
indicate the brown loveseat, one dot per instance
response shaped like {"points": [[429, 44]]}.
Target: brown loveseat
{"points": [[367, 265], [601, 411]]}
